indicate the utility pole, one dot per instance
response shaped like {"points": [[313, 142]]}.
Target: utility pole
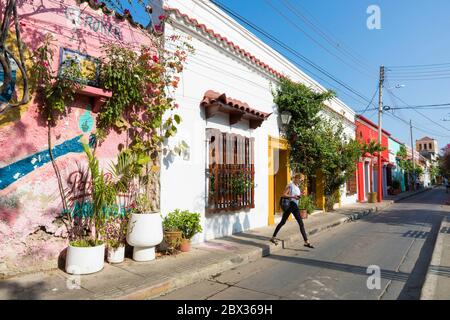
{"points": [[380, 111], [412, 151]]}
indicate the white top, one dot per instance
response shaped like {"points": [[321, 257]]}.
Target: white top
{"points": [[294, 191]]}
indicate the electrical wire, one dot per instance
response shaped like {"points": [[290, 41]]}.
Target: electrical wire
{"points": [[420, 113], [338, 46], [296, 26], [289, 49], [370, 103]]}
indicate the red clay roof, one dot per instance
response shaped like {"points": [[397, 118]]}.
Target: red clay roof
{"points": [[213, 96], [203, 27]]}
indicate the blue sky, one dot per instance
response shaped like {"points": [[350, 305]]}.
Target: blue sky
{"points": [[412, 33]]}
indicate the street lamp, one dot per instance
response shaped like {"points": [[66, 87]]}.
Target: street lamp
{"points": [[286, 117]]}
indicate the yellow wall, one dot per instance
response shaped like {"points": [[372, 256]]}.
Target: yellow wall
{"points": [[275, 145], [320, 191]]}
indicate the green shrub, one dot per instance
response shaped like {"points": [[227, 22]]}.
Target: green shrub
{"points": [[172, 222], [306, 203], [186, 222]]}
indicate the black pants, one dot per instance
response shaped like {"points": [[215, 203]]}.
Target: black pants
{"points": [[293, 208]]}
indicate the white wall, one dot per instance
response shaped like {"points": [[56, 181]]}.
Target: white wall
{"points": [[183, 181], [213, 67]]}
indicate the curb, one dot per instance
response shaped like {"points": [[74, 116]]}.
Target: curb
{"points": [[429, 287], [171, 284], [412, 195]]}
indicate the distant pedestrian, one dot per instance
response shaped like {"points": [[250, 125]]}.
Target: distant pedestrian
{"points": [[289, 204]]}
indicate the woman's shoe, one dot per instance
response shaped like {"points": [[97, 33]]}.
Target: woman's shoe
{"points": [[274, 241], [309, 245]]}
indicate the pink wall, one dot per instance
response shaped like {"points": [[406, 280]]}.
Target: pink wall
{"points": [[30, 237]]}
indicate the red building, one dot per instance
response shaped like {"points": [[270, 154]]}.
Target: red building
{"points": [[367, 131]]}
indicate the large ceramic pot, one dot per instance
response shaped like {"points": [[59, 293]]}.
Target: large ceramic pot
{"points": [[145, 231], [85, 260]]}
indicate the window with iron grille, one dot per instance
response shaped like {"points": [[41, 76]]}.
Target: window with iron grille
{"points": [[352, 184], [231, 172]]}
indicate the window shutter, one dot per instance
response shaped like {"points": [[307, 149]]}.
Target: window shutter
{"points": [[352, 183], [230, 156]]}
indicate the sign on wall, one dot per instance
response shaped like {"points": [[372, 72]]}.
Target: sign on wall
{"points": [[89, 66]]}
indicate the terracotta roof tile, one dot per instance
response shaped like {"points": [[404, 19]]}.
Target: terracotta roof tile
{"points": [[212, 96]]}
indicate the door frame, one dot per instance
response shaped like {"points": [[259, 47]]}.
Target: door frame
{"points": [[280, 144]]}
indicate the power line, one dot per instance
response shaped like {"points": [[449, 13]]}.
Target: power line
{"points": [[292, 9], [419, 66], [423, 115], [289, 49], [443, 106], [417, 128], [371, 101]]}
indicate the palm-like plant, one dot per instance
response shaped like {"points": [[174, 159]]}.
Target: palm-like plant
{"points": [[372, 147], [128, 174], [103, 193]]}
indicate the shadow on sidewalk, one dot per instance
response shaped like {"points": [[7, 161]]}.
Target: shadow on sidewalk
{"points": [[385, 274], [402, 217], [440, 271], [413, 287], [16, 291]]}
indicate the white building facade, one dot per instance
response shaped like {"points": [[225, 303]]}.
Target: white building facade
{"points": [[226, 90]]}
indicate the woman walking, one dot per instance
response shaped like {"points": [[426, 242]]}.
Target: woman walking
{"points": [[293, 193]]}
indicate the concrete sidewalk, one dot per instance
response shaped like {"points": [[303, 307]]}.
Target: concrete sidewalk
{"points": [[437, 282], [133, 280]]}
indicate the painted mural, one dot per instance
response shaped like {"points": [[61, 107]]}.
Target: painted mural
{"points": [[31, 235]]}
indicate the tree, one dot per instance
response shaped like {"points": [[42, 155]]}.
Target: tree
{"points": [[315, 143], [303, 132], [339, 156], [444, 160]]}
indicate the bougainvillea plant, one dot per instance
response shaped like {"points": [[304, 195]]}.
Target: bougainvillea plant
{"points": [[53, 92]]}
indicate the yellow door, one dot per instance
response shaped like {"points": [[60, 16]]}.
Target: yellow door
{"points": [[279, 174]]}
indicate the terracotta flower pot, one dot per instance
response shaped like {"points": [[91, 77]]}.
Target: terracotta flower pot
{"points": [[185, 245], [303, 214]]}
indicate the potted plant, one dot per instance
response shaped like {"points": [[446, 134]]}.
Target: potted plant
{"points": [[115, 232], [189, 224], [306, 206], [240, 184], [172, 232], [86, 251], [145, 229]]}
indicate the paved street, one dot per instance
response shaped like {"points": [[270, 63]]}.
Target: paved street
{"points": [[399, 240]]}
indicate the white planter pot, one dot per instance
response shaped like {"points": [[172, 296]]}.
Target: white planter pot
{"points": [[145, 231], [85, 260], [116, 255]]}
